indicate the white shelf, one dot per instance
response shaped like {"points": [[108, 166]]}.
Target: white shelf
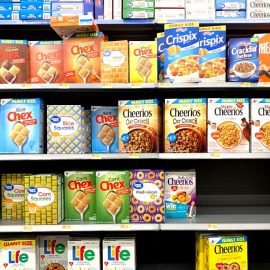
{"points": [[214, 156]]}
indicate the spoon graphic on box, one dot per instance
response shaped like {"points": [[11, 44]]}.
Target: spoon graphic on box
{"points": [[80, 202], [113, 204], [19, 135], [107, 136]]}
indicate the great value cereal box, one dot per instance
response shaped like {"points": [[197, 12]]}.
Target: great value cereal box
{"points": [[185, 125], [231, 4], [113, 197], [228, 125], [139, 126], [180, 194], [260, 125], [84, 254], [146, 201], [80, 195], [243, 60], [213, 53], [119, 254], [231, 14], [181, 62], [53, 252], [160, 56], [104, 129], [143, 61], [46, 61], [22, 123]]}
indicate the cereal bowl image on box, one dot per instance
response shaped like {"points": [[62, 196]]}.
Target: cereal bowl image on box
{"points": [[244, 70]]}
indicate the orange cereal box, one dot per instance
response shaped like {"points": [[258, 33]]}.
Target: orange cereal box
{"points": [[46, 61], [82, 58]]}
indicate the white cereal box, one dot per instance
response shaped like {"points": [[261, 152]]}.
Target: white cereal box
{"points": [[228, 125], [231, 4], [260, 125], [160, 56], [119, 254], [83, 254], [53, 252]]}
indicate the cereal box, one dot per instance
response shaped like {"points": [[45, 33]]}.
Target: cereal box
{"points": [[259, 13], [112, 197], [22, 123], [43, 199], [226, 252], [243, 59], [88, 140], [139, 126], [114, 62], [231, 14], [53, 252], [12, 196], [146, 202], [228, 125], [160, 56], [46, 61], [20, 254], [65, 129], [138, 13], [80, 195], [200, 250], [260, 125], [180, 194], [185, 125], [143, 61], [82, 58], [104, 129], [213, 53], [83, 254], [231, 4], [170, 4], [181, 62], [13, 61], [119, 254]]}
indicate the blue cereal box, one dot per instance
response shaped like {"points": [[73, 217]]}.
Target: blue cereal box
{"points": [[22, 122], [213, 53], [230, 4], [243, 60], [181, 62], [99, 9], [9, 15], [230, 14], [26, 14], [35, 5], [104, 127], [160, 55], [9, 6]]}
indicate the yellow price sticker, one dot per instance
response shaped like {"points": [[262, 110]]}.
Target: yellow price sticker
{"points": [[26, 85], [96, 156], [161, 21], [28, 228], [136, 85], [107, 85], [126, 226], [64, 85], [212, 227], [134, 155], [67, 227], [246, 84], [215, 155]]}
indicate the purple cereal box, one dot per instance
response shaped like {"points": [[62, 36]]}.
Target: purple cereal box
{"points": [[147, 198]]}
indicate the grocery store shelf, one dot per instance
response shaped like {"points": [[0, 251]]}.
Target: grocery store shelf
{"points": [[214, 156], [25, 22]]}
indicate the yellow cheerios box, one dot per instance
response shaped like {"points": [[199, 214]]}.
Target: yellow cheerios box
{"points": [[226, 252], [143, 61], [200, 250]]}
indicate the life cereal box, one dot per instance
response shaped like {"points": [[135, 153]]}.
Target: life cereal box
{"points": [[143, 61], [228, 125], [43, 199], [213, 53], [104, 129], [119, 253], [146, 202], [84, 254], [53, 252], [226, 252], [160, 56], [185, 125], [46, 61], [113, 197], [181, 52], [80, 195], [82, 58], [22, 123], [20, 254], [139, 126], [243, 60], [260, 125], [180, 194]]}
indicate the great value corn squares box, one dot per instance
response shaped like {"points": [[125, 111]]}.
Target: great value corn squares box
{"points": [[143, 61], [22, 123], [53, 252], [160, 56], [43, 199], [112, 197], [80, 195]]}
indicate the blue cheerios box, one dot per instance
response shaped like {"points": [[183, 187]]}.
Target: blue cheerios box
{"points": [[160, 55], [21, 129], [243, 60], [181, 52], [213, 53], [104, 125]]}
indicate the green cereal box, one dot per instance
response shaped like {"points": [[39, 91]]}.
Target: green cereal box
{"points": [[113, 197], [80, 195]]}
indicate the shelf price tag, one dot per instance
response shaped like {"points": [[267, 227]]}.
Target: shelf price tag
{"points": [[246, 84], [125, 226], [161, 21], [96, 156], [134, 155], [215, 155], [136, 85], [26, 86], [28, 228], [107, 85], [67, 227], [64, 85], [212, 227]]}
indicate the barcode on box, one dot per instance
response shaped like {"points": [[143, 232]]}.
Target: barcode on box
{"points": [[46, 7], [15, 16], [46, 16], [16, 8]]}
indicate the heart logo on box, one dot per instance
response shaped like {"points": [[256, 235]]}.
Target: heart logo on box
{"points": [[70, 263], [5, 265], [106, 263], [42, 257], [173, 188]]}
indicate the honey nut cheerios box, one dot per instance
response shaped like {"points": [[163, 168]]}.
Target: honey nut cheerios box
{"points": [[147, 197], [140, 124], [160, 56], [181, 62], [185, 125], [213, 53], [228, 125]]}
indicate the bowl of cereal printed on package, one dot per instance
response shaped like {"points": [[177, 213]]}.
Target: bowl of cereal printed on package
{"points": [[244, 69]]}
